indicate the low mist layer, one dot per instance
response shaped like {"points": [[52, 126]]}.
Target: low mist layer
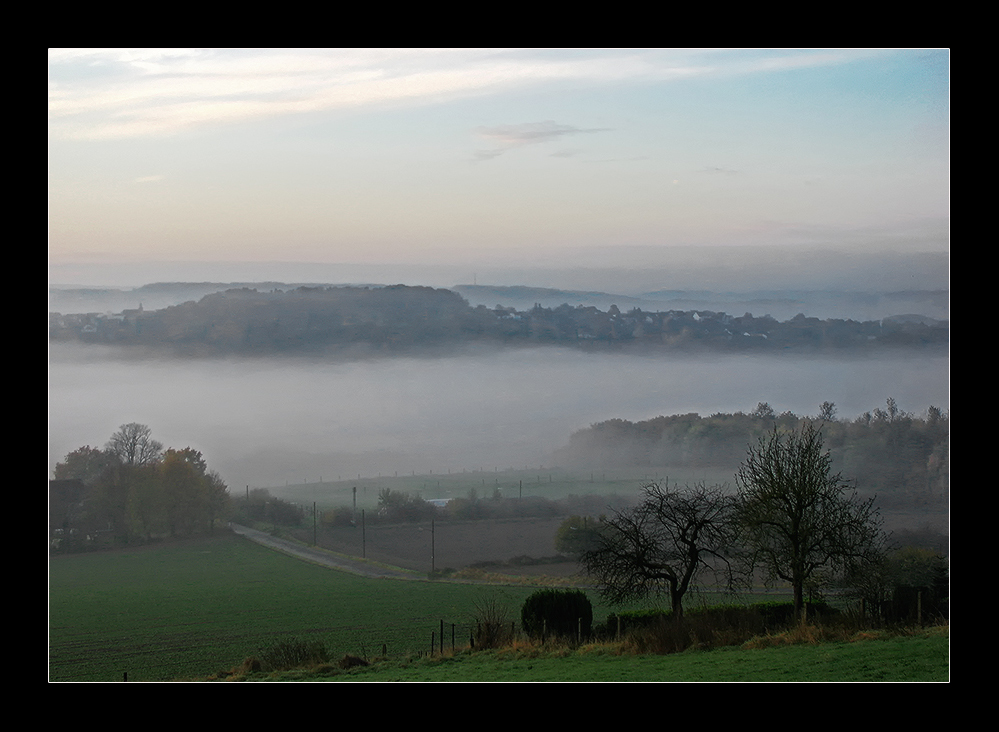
{"points": [[267, 422]]}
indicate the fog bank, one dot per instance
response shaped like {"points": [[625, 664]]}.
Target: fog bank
{"points": [[265, 422]]}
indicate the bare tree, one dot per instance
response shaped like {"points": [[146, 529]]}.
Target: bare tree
{"points": [[663, 544], [133, 445], [800, 523]]}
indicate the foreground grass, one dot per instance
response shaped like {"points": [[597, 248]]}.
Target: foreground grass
{"points": [[195, 607], [190, 609], [922, 657]]}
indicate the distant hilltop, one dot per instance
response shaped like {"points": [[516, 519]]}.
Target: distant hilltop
{"points": [[379, 319], [781, 304]]}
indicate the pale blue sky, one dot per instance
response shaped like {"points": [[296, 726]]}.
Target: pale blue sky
{"points": [[433, 155]]}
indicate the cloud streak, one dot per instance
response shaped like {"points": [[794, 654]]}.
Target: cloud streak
{"points": [[507, 137], [129, 93]]}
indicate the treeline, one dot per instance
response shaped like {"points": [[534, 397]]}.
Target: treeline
{"points": [[402, 507], [132, 491], [887, 450], [260, 507], [324, 319]]}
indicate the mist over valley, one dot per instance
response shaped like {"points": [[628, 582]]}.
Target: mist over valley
{"points": [[277, 420]]}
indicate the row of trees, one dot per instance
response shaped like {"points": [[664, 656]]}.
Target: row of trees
{"points": [[133, 489], [896, 452], [792, 519], [388, 318]]}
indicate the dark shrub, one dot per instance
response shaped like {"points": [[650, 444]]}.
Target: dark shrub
{"points": [[294, 653], [563, 613], [761, 617]]}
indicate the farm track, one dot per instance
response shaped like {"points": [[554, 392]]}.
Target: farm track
{"points": [[325, 558]]}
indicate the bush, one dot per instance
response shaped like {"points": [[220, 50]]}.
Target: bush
{"points": [[562, 613], [294, 654], [339, 516], [657, 631], [493, 628]]}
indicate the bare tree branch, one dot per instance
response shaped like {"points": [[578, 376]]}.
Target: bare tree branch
{"points": [[663, 544]]}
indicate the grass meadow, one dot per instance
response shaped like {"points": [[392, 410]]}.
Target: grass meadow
{"points": [[192, 609], [195, 607], [922, 657]]}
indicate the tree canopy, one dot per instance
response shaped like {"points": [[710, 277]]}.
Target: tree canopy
{"points": [[134, 490]]}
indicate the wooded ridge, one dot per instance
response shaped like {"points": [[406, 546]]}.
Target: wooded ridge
{"points": [[401, 318]]}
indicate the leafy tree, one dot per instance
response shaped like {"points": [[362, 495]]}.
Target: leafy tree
{"points": [[663, 544], [800, 523], [135, 490], [400, 506], [185, 489], [218, 498], [85, 463]]}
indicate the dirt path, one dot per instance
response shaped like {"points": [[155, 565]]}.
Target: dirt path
{"points": [[325, 558]]}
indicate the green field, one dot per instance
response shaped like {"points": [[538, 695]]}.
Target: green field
{"points": [[192, 609], [920, 658], [200, 606]]}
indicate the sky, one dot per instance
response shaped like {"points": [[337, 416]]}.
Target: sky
{"points": [[201, 164]]}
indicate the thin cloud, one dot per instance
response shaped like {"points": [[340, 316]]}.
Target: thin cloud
{"points": [[507, 137], [127, 93]]}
